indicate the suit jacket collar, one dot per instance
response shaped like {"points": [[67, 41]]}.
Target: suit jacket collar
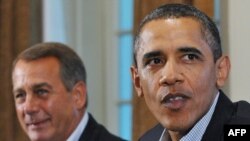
{"points": [[222, 114], [97, 132], [89, 132]]}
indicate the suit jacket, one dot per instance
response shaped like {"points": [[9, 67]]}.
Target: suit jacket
{"points": [[96, 132], [226, 112]]}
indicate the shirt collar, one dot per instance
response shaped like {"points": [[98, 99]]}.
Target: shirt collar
{"points": [[164, 135], [196, 133], [75, 136]]}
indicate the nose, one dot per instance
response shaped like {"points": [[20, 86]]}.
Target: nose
{"points": [[171, 74], [31, 105]]}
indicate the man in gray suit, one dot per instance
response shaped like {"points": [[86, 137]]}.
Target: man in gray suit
{"points": [[50, 93]]}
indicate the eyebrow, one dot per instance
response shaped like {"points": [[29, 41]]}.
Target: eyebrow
{"points": [[182, 50], [152, 54], [39, 85], [17, 91], [190, 50]]}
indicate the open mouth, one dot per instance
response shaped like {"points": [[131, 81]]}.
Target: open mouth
{"points": [[174, 101]]}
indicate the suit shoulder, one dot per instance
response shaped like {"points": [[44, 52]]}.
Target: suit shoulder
{"points": [[243, 108], [242, 113], [105, 135], [97, 132], [152, 134]]}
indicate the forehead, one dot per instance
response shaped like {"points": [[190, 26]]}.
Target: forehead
{"points": [[171, 27], [171, 33], [45, 63], [36, 70]]}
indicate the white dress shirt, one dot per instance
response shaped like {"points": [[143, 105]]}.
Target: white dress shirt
{"points": [[75, 136]]}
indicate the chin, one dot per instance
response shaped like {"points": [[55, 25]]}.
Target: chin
{"points": [[177, 128], [176, 125], [39, 137]]}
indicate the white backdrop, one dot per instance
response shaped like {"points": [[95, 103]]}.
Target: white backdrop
{"points": [[90, 28], [235, 26]]}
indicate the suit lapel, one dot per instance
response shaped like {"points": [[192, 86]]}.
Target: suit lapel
{"points": [[89, 133], [222, 114], [153, 134]]}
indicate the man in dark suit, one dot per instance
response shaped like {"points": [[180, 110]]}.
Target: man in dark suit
{"points": [[179, 69], [49, 86]]}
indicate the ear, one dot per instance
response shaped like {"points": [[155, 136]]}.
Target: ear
{"points": [[222, 70], [79, 93], [136, 81]]}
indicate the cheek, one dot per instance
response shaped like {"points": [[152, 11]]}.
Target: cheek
{"points": [[52, 106], [202, 84], [207, 80], [203, 87], [55, 106], [150, 87], [149, 83], [201, 78], [60, 106], [20, 112]]}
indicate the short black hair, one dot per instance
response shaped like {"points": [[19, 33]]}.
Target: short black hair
{"points": [[209, 29]]}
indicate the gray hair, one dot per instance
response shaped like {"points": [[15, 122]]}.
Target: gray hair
{"points": [[72, 69]]}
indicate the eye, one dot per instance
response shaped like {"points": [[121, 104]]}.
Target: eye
{"points": [[190, 57], [41, 91], [19, 95], [154, 61]]}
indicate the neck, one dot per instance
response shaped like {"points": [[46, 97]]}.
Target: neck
{"points": [[175, 136]]}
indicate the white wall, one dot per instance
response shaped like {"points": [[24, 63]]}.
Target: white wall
{"points": [[91, 28], [235, 25], [92, 31]]}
